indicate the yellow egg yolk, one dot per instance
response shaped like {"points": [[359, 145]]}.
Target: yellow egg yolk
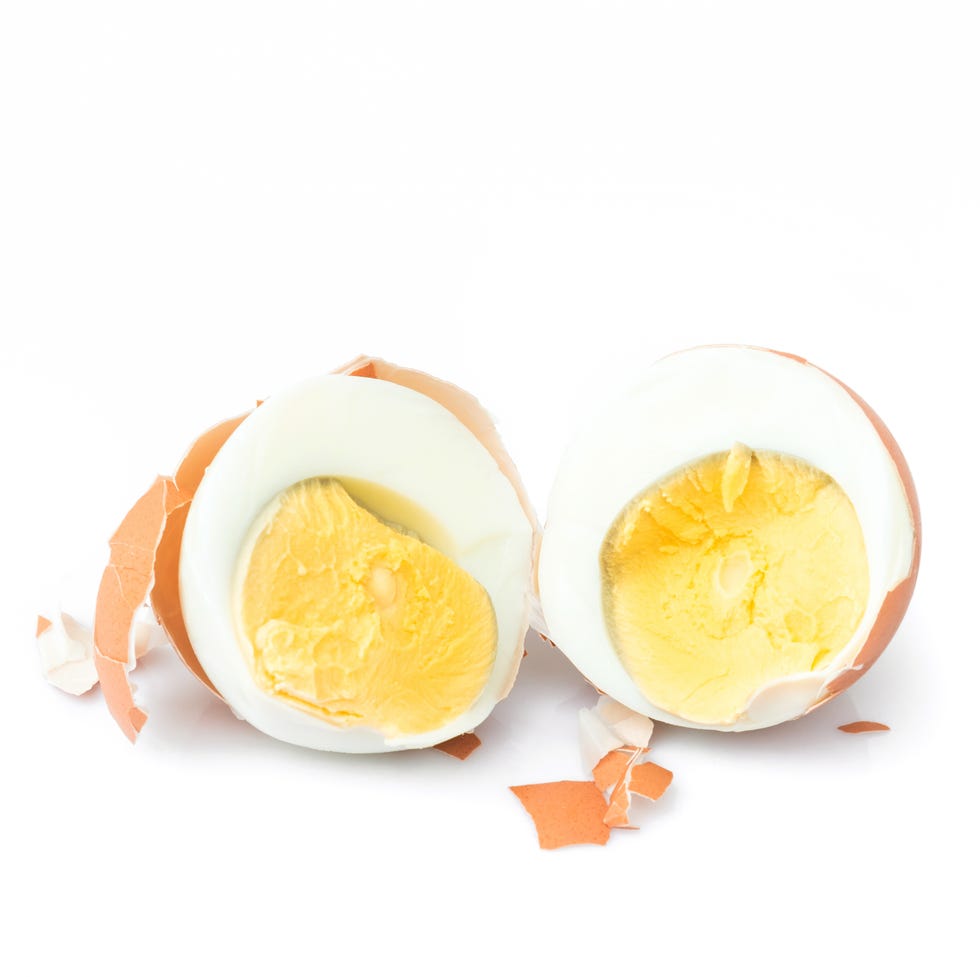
{"points": [[741, 568], [350, 619]]}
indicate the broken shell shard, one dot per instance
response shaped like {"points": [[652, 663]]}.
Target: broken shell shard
{"points": [[620, 774], [612, 768], [67, 654], [150, 550], [609, 725], [66, 649], [864, 726], [709, 626], [125, 586], [165, 596], [459, 746], [565, 812], [650, 780]]}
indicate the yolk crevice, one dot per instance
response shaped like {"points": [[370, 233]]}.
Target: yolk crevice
{"points": [[741, 568], [349, 618]]}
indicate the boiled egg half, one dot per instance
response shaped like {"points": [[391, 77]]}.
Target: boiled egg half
{"points": [[731, 543], [353, 571]]}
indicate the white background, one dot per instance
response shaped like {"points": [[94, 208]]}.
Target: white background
{"points": [[202, 203]]}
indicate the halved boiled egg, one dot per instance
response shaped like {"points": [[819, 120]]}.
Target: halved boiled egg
{"points": [[730, 544], [349, 566]]}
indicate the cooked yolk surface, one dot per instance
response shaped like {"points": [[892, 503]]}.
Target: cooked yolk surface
{"points": [[741, 568], [359, 623]]}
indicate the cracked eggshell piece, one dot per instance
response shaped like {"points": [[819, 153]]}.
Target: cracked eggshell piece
{"points": [[623, 773], [461, 746], [608, 726], [125, 586], [864, 726], [67, 654], [695, 404], [451, 484], [565, 812], [67, 649]]}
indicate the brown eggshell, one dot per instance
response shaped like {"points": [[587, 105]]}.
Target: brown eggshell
{"points": [[165, 596], [125, 585], [864, 726], [612, 768], [650, 780], [614, 773], [459, 746], [566, 812], [620, 773], [618, 811]]}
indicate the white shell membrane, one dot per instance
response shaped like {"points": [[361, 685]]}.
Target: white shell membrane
{"points": [[380, 432], [692, 404]]}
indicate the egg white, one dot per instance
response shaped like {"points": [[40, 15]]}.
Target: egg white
{"points": [[689, 405], [380, 432]]}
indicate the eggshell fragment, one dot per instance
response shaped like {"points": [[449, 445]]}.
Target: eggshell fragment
{"points": [[125, 585], [609, 725], [621, 775], [566, 812], [863, 726], [650, 780], [613, 738], [612, 769], [617, 813], [631, 727], [165, 596], [459, 746], [596, 739], [613, 773], [67, 654], [785, 698]]}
